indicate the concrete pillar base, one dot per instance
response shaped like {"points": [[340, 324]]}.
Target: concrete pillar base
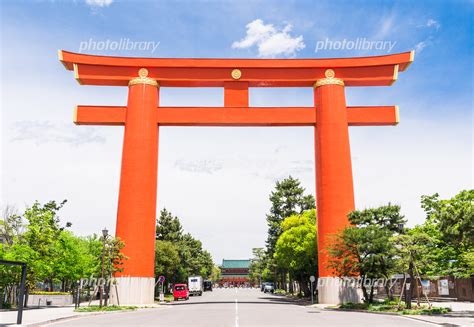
{"points": [[133, 290], [335, 290]]}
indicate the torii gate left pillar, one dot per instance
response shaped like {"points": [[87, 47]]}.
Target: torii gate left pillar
{"points": [[142, 117]]}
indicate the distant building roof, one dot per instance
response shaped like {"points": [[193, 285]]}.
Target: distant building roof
{"points": [[235, 263]]}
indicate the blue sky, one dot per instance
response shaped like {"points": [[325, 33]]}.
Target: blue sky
{"points": [[218, 180]]}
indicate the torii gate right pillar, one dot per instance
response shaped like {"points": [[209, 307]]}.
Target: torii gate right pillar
{"points": [[334, 185]]}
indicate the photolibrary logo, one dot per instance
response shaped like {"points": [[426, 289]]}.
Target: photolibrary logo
{"points": [[357, 44], [97, 282], [124, 44]]}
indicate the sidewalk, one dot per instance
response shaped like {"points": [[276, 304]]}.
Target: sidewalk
{"points": [[39, 316], [36, 315], [462, 314]]}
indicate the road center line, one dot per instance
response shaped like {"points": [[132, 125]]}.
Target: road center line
{"points": [[236, 314]]}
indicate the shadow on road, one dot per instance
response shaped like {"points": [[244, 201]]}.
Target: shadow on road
{"points": [[232, 302], [264, 300]]}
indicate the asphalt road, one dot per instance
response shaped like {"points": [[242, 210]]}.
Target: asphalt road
{"points": [[239, 308]]}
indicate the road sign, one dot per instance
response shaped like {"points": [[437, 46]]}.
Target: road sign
{"points": [[161, 279], [312, 279]]}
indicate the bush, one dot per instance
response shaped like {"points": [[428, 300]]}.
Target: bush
{"points": [[392, 306], [280, 291], [382, 307], [48, 293], [354, 306], [424, 310], [6, 305]]}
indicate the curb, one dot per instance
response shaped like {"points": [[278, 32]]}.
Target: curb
{"points": [[364, 311], [391, 314]]}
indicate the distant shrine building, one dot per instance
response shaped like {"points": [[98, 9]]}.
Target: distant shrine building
{"points": [[235, 273]]}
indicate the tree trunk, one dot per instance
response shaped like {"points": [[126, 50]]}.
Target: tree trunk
{"points": [[408, 293], [304, 285], [389, 293], [364, 290], [371, 297], [291, 288]]}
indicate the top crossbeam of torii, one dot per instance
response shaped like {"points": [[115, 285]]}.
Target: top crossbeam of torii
{"points": [[236, 76], [184, 72]]}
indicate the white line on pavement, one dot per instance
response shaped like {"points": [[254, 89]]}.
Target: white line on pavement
{"points": [[236, 314]]}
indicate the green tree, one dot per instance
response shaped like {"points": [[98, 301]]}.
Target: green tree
{"points": [[257, 265], [216, 274], [365, 248], [167, 260], [296, 248], [42, 232], [168, 228], [193, 259], [451, 223], [11, 225], [287, 199], [414, 254], [72, 259], [455, 217]]}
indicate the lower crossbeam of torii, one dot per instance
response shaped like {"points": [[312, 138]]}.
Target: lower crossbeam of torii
{"points": [[142, 117]]}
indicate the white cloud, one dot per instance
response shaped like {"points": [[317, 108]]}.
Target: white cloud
{"points": [[198, 166], [270, 41], [99, 3], [431, 23], [46, 131], [420, 46]]}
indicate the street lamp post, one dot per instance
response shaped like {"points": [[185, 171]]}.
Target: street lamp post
{"points": [[105, 232]]}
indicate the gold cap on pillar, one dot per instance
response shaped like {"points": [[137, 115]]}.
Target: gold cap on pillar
{"points": [[329, 80], [143, 79]]}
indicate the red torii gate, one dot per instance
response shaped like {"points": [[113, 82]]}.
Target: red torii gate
{"points": [[142, 117]]}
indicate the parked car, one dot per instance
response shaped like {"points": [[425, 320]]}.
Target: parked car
{"points": [[196, 285], [180, 291], [269, 288], [262, 287], [207, 285]]}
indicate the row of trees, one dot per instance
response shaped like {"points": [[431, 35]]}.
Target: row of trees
{"points": [[53, 254], [57, 259], [179, 255], [377, 245]]}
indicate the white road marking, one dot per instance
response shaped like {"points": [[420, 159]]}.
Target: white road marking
{"points": [[236, 314]]}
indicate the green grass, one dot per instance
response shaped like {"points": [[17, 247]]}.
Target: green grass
{"points": [[168, 298], [392, 307], [424, 310], [96, 308]]}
